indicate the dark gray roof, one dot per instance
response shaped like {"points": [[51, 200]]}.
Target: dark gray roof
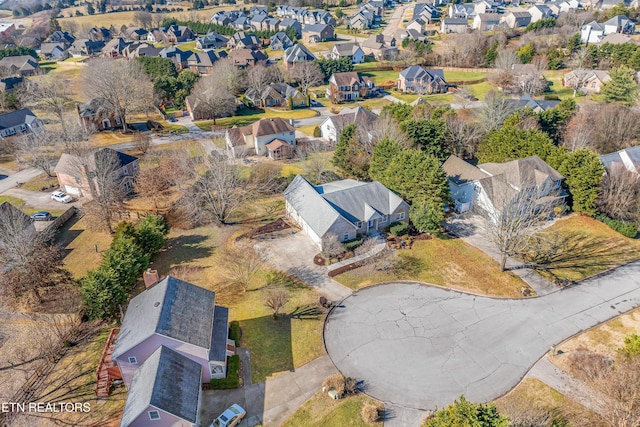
{"points": [[15, 118], [298, 52], [219, 334], [417, 72], [167, 381], [629, 158], [523, 173], [68, 163], [172, 308], [527, 101], [460, 172]]}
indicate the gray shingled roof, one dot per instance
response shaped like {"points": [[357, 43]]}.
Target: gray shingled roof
{"points": [[296, 52], [316, 211], [167, 381], [68, 163], [172, 308], [361, 202], [460, 172], [16, 118], [219, 334], [631, 154], [523, 173]]}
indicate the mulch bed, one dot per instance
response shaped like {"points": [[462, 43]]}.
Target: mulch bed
{"points": [[273, 227], [395, 242], [320, 260]]}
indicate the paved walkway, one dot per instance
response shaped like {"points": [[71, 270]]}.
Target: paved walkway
{"points": [[379, 247], [22, 176], [566, 384], [294, 254], [418, 346]]}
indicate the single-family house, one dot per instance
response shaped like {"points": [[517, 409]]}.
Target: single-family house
{"points": [[426, 11], [417, 25], [539, 12], [10, 84], [54, 51], [115, 47], [272, 24], [415, 79], [99, 34], [381, 47], [176, 55], [346, 208], [202, 62], [351, 50], [628, 158], [258, 22], [316, 33], [242, 40], [23, 65], [61, 37], [586, 81], [490, 186], [178, 34], [591, 32], [485, 21], [526, 101], [485, 6], [287, 23], [6, 29], [516, 18], [85, 47], [297, 54], [454, 25], [76, 175], [243, 58], [462, 11], [619, 24], [211, 41], [180, 316], [331, 127], [280, 41], [135, 34], [350, 86], [277, 95], [98, 115], [19, 122], [164, 390], [272, 137]]}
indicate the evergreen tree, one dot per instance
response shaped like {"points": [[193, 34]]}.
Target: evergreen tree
{"points": [[583, 172], [90, 9], [102, 294], [553, 120], [622, 87], [383, 153], [429, 134], [349, 157], [463, 413]]}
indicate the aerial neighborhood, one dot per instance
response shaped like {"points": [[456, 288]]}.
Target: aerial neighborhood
{"points": [[309, 214]]}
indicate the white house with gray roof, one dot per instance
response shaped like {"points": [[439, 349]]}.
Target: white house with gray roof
{"points": [[346, 208], [164, 391], [177, 315], [629, 159]]}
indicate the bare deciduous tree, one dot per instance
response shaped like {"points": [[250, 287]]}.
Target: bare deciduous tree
{"points": [[579, 133], [331, 245], [49, 93], [316, 160], [512, 222], [307, 74], [143, 19], [152, 180], [620, 193], [18, 236], [38, 150], [275, 299], [463, 135], [142, 141], [122, 83], [496, 110], [242, 265], [213, 96]]}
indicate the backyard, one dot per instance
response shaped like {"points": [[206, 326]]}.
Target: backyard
{"points": [[444, 262], [321, 410], [246, 116]]}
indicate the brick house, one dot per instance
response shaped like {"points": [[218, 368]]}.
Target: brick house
{"points": [[98, 115], [350, 86]]}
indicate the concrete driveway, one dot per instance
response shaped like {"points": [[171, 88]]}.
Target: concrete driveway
{"points": [[418, 346], [294, 254], [39, 199]]}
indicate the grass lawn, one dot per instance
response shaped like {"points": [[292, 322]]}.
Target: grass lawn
{"points": [[459, 76], [35, 184], [380, 77], [274, 53], [107, 138], [8, 162], [479, 90], [188, 46], [590, 247], [406, 97], [320, 411], [604, 339], [246, 116], [307, 130], [78, 239], [446, 262], [15, 201], [533, 393]]}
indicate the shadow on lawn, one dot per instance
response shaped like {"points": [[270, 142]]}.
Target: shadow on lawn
{"points": [[574, 257], [269, 342], [183, 249]]}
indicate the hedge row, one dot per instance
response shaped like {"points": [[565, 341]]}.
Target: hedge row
{"points": [[399, 228], [628, 229], [233, 375]]}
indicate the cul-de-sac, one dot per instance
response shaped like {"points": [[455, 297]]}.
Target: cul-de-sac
{"points": [[319, 213]]}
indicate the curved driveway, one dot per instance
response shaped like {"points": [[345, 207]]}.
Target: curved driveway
{"points": [[418, 346]]}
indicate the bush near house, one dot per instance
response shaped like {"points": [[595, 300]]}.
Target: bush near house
{"points": [[627, 229], [234, 331], [233, 375], [350, 245], [399, 228]]}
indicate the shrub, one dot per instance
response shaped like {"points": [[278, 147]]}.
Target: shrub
{"points": [[233, 378], [628, 229], [317, 132], [399, 228], [234, 331], [152, 233], [336, 382], [631, 347], [351, 245], [370, 413]]}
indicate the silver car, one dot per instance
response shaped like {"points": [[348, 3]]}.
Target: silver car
{"points": [[61, 196], [230, 418]]}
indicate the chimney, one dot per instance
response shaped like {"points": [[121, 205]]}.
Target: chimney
{"points": [[150, 277]]}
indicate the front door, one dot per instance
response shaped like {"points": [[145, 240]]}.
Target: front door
{"points": [[106, 123]]}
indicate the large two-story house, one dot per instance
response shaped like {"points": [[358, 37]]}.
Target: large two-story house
{"points": [[19, 122], [346, 208], [415, 79], [350, 86], [271, 137]]}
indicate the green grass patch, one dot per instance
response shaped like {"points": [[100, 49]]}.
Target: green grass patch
{"points": [[247, 116], [406, 97], [15, 201], [321, 410], [380, 77], [232, 380], [445, 262], [78, 241], [40, 182], [457, 76], [479, 90], [307, 130], [188, 46]]}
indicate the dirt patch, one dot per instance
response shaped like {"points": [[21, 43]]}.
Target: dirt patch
{"points": [[272, 229], [406, 242]]}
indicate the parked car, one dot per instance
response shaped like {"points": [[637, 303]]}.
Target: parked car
{"points": [[172, 119], [61, 196], [41, 216], [230, 418]]}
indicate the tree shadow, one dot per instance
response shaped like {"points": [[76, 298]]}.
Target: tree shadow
{"points": [[574, 256], [64, 235], [461, 228], [307, 312], [182, 250]]}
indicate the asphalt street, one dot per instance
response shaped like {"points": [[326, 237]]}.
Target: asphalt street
{"points": [[418, 346]]}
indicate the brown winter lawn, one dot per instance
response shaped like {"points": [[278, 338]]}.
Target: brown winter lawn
{"points": [[450, 263], [590, 247]]}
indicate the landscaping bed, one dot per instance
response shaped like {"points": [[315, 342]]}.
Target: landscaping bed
{"points": [[276, 227]]}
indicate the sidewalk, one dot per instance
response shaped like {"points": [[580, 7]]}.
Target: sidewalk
{"points": [[374, 251]]}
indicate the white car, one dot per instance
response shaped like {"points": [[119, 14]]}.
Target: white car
{"points": [[60, 196], [230, 418]]}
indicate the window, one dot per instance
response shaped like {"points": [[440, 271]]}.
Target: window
{"points": [[400, 215], [359, 224], [370, 223], [154, 415], [346, 236], [383, 219], [133, 360]]}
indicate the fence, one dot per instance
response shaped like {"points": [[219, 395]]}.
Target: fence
{"points": [[62, 219]]}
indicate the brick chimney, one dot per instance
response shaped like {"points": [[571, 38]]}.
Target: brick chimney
{"points": [[150, 277]]}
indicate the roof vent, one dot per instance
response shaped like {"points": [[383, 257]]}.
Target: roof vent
{"points": [[157, 303]]}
